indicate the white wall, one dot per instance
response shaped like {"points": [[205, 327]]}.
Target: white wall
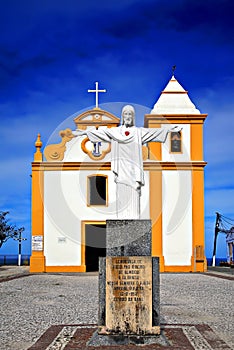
{"points": [[65, 206], [177, 217], [59, 222]]}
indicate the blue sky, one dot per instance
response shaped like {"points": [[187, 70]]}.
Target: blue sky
{"points": [[51, 52]]}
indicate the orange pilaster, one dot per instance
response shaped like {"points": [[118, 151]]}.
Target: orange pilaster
{"points": [[155, 153], [198, 258], [196, 141], [37, 260], [156, 215], [155, 148]]}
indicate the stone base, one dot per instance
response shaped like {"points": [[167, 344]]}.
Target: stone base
{"points": [[155, 293], [173, 336], [152, 332], [121, 340]]}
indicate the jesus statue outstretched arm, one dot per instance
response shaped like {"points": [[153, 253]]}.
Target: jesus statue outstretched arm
{"points": [[94, 135], [157, 134], [126, 157]]}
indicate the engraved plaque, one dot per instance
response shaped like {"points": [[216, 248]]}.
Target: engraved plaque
{"points": [[129, 295]]}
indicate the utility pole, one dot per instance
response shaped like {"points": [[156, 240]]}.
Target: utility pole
{"points": [[215, 237], [20, 239]]}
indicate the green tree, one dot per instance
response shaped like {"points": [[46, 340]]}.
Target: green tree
{"points": [[7, 230]]}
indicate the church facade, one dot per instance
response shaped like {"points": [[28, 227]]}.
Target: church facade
{"points": [[74, 193]]}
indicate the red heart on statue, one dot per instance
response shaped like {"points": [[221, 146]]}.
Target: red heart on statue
{"points": [[127, 133]]}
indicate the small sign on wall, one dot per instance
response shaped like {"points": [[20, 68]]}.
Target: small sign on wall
{"points": [[62, 239], [37, 243]]}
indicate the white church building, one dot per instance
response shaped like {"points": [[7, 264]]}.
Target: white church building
{"points": [[74, 193]]}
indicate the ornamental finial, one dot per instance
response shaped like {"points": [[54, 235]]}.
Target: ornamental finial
{"points": [[38, 145]]}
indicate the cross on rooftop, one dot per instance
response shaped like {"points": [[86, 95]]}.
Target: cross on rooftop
{"points": [[96, 91]]}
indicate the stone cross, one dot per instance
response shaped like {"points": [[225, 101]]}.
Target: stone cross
{"points": [[96, 91]]}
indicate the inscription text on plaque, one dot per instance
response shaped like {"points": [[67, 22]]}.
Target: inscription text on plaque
{"points": [[129, 295]]}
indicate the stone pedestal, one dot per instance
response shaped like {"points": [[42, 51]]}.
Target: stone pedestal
{"points": [[128, 237], [128, 284]]}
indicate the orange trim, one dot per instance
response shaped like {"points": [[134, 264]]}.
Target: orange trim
{"points": [[83, 262], [83, 243], [158, 166], [196, 141], [174, 119], [155, 151], [156, 215], [90, 154], [148, 165], [60, 166], [37, 260], [175, 268], [81, 268], [88, 191], [201, 266], [198, 212], [174, 92]]}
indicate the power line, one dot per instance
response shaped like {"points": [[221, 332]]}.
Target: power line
{"points": [[227, 218]]}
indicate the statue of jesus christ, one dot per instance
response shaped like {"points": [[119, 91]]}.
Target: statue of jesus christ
{"points": [[126, 158]]}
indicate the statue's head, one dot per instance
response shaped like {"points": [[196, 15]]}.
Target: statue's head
{"points": [[128, 115]]}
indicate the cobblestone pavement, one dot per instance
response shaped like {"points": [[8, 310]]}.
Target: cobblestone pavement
{"points": [[32, 304], [8, 272]]}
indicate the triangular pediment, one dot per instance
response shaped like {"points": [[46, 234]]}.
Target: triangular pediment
{"points": [[174, 99], [96, 117]]}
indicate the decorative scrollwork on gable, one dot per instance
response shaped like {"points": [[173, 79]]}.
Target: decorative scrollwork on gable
{"points": [[56, 152], [96, 117], [95, 154]]}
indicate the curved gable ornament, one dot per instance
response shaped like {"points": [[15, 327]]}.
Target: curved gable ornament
{"points": [[55, 152], [96, 117]]}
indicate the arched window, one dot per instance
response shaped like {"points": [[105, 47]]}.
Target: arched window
{"points": [[97, 190], [176, 142]]}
